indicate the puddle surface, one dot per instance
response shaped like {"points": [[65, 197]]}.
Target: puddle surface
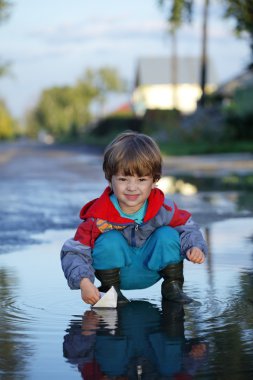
{"points": [[47, 331]]}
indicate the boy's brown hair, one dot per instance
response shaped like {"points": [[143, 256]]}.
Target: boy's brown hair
{"points": [[132, 153]]}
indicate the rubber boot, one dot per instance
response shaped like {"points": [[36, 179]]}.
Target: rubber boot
{"points": [[109, 278], [173, 284]]}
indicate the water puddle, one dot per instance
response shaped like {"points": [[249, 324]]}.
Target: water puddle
{"points": [[48, 332]]}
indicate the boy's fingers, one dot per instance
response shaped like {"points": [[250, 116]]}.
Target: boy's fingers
{"points": [[91, 300], [197, 259], [200, 260]]}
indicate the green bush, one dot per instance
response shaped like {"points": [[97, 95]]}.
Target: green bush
{"points": [[204, 125], [239, 115], [163, 125], [116, 124]]}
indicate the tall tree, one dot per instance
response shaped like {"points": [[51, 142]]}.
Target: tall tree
{"points": [[203, 62], [179, 11], [242, 12], [176, 11]]}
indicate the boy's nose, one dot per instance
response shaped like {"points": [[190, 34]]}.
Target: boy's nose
{"points": [[131, 185]]}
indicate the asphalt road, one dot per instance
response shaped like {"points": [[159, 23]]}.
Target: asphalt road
{"points": [[42, 187]]}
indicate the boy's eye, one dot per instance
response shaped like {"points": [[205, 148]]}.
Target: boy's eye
{"points": [[142, 179], [121, 179]]}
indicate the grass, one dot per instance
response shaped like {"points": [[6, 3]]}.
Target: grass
{"points": [[198, 148]]}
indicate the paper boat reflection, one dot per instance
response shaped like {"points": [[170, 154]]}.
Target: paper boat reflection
{"points": [[108, 299]]}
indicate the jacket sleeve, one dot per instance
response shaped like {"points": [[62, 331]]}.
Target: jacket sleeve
{"points": [[191, 236], [76, 263]]}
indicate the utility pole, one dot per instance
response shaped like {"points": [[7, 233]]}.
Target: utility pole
{"points": [[174, 63], [203, 63]]}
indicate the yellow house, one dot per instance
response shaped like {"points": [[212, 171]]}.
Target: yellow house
{"points": [[166, 83]]}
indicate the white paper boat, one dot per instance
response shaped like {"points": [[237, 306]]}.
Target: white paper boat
{"points": [[109, 299]]}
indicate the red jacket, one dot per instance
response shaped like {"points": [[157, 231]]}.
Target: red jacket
{"points": [[100, 215]]}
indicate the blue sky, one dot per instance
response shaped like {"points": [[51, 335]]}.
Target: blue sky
{"points": [[52, 42]]}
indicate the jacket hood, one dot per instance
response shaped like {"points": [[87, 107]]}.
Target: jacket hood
{"points": [[103, 208]]}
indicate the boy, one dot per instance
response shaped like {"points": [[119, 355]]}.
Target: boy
{"points": [[131, 237]]}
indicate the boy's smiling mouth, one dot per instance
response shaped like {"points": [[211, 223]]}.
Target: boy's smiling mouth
{"points": [[131, 197]]}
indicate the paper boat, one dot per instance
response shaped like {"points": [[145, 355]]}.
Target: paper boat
{"points": [[109, 299]]}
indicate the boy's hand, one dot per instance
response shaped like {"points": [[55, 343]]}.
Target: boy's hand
{"points": [[195, 255], [89, 293]]}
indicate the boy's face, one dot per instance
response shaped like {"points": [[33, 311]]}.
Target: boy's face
{"points": [[131, 191]]}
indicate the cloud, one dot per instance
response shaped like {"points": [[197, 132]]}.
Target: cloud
{"points": [[93, 36], [94, 30], [99, 36]]}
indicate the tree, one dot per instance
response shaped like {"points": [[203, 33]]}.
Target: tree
{"points": [[4, 9], [65, 111], [204, 64], [103, 81], [242, 12], [177, 12], [7, 123], [4, 14], [59, 110]]}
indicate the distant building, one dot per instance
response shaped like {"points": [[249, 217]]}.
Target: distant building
{"points": [[243, 80], [162, 83], [123, 109]]}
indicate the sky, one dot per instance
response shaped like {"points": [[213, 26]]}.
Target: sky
{"points": [[52, 43]]}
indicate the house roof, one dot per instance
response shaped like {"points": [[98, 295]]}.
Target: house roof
{"points": [[159, 70], [125, 108]]}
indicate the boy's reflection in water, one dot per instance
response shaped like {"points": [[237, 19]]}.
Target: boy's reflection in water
{"points": [[134, 341]]}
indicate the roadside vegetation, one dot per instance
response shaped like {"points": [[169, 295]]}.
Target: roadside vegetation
{"points": [[212, 130], [69, 114], [8, 126]]}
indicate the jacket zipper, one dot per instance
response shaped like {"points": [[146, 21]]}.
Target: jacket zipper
{"points": [[133, 239]]}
